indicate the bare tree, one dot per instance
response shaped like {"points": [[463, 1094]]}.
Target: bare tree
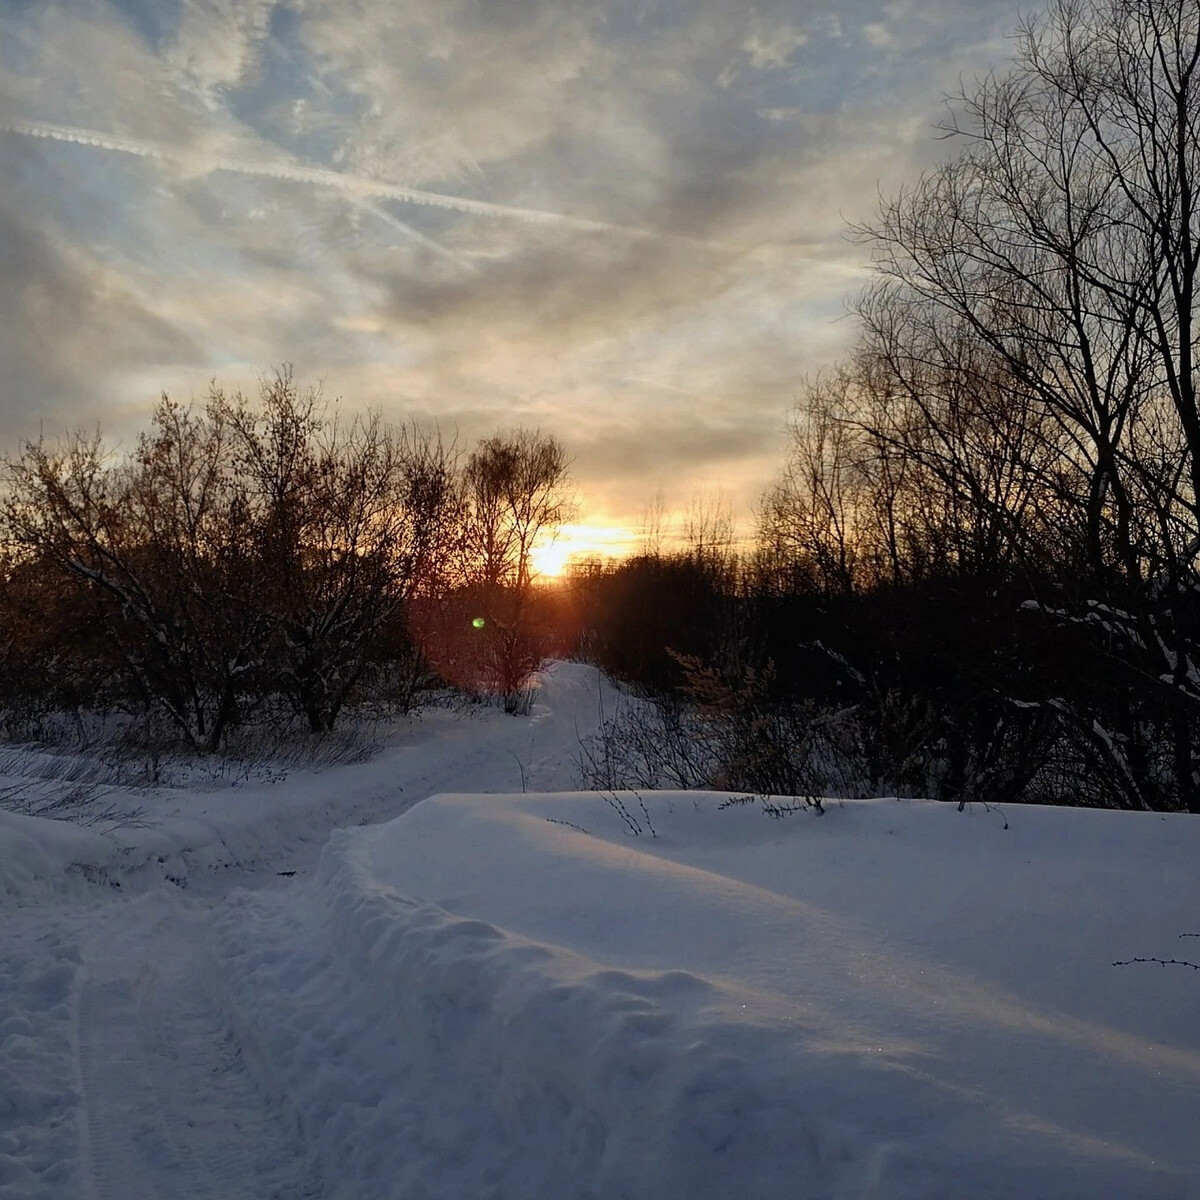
{"points": [[1052, 265], [350, 522], [514, 493], [811, 520], [159, 542], [244, 550], [654, 527]]}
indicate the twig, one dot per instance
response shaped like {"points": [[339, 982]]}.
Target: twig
{"points": [[646, 814], [734, 802], [614, 802], [776, 811], [995, 807], [1162, 962], [569, 825]]}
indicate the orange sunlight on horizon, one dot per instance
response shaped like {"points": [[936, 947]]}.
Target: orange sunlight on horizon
{"points": [[570, 543]]}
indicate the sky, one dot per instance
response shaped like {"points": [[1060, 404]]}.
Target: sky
{"points": [[619, 221]]}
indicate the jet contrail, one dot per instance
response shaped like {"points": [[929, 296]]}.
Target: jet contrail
{"points": [[102, 141], [403, 227], [317, 176], [86, 137]]}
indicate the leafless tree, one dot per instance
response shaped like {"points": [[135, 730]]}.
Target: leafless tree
{"points": [[810, 520], [243, 550], [351, 520], [159, 541], [1037, 315], [515, 491]]}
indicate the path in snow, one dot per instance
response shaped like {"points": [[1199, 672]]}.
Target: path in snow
{"points": [[169, 1107], [508, 996], [124, 1074]]}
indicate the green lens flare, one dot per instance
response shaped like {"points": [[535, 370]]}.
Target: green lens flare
{"points": [[479, 622]]}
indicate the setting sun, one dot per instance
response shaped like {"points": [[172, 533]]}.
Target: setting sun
{"points": [[554, 554]]}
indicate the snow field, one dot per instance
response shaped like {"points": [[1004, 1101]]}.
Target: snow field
{"points": [[481, 999], [435, 1056], [508, 996], [121, 1070], [193, 836]]}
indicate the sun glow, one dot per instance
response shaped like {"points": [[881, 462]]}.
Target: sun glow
{"points": [[570, 543]]}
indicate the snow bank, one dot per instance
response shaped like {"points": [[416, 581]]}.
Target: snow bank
{"points": [[435, 1056], [509, 996], [42, 859], [187, 834]]}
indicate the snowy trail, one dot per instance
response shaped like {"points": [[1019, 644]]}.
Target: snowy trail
{"points": [[246, 836], [169, 1105], [499, 996], [125, 1072]]}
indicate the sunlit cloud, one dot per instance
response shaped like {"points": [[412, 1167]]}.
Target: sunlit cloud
{"points": [[619, 222]]}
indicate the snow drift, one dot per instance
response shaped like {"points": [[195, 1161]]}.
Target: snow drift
{"points": [[42, 860], [509, 996]]}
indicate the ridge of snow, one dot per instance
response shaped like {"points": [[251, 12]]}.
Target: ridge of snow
{"points": [[479, 999]]}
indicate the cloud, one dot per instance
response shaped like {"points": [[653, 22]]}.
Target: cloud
{"points": [[218, 43], [445, 91], [620, 220], [770, 46], [69, 324]]}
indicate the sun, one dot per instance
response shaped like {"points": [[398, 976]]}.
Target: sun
{"points": [[555, 553], [551, 558]]}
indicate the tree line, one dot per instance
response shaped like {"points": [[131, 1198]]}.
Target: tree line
{"points": [[271, 560], [976, 576]]}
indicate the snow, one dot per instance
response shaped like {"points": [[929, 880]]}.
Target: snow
{"points": [[469, 991], [478, 999], [193, 834], [39, 1087], [40, 859]]}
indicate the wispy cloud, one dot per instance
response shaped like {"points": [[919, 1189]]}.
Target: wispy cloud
{"points": [[622, 220]]}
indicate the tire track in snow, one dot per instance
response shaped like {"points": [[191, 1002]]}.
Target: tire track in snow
{"points": [[169, 1107], [112, 1074]]}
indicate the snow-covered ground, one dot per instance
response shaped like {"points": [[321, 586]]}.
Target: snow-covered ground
{"points": [[196, 835], [511, 995]]}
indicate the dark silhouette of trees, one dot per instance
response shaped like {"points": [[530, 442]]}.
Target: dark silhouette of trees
{"points": [[159, 542], [258, 559], [1035, 322], [350, 522], [984, 540], [514, 492]]}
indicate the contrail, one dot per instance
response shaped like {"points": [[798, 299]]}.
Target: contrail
{"points": [[87, 137], [317, 176], [403, 227], [102, 141]]}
